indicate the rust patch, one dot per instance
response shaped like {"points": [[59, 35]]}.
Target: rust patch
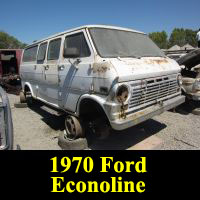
{"points": [[159, 62], [101, 68]]}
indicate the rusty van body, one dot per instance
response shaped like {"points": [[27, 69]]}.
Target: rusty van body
{"points": [[113, 75]]}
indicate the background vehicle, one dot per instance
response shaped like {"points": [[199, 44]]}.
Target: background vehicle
{"points": [[191, 74], [9, 61], [6, 126], [102, 75], [9, 68]]}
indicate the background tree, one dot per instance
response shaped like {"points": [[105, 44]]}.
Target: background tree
{"points": [[10, 42], [182, 37], [160, 38], [177, 37], [190, 37]]}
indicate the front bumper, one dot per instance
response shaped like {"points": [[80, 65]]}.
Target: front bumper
{"points": [[145, 114]]}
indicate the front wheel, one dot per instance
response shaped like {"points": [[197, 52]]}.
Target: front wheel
{"points": [[73, 127]]}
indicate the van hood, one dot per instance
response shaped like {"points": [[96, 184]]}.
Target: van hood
{"points": [[132, 68]]}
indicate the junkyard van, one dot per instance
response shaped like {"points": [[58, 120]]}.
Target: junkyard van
{"points": [[101, 75]]}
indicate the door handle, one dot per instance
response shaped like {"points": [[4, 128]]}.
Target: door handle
{"points": [[46, 67], [61, 67]]}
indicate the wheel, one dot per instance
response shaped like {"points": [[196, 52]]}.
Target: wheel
{"points": [[22, 97], [73, 127]]}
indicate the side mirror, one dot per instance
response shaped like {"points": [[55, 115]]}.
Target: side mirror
{"points": [[71, 53]]}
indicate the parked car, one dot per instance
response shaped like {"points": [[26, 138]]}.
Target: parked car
{"points": [[101, 75], [191, 74], [6, 125]]}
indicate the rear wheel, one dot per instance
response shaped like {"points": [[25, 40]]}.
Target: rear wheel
{"points": [[73, 127], [22, 97]]}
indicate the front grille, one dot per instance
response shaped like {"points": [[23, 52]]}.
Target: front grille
{"points": [[150, 91]]}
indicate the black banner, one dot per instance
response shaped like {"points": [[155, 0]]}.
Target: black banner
{"points": [[98, 174]]}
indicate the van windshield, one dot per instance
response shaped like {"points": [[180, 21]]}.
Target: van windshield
{"points": [[111, 43]]}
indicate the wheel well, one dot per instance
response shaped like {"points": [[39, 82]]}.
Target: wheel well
{"points": [[26, 89], [90, 110]]}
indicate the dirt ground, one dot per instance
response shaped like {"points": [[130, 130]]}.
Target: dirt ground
{"points": [[38, 128]]}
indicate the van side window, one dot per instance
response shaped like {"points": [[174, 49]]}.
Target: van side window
{"points": [[30, 54], [42, 52], [54, 49], [78, 41]]}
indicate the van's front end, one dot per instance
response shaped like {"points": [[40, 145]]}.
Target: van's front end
{"points": [[139, 80]]}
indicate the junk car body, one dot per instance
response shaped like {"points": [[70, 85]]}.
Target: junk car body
{"points": [[9, 61], [114, 75], [191, 74], [6, 126]]}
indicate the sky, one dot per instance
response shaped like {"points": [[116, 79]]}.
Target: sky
{"points": [[30, 20]]}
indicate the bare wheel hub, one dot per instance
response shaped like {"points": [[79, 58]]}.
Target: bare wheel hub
{"points": [[73, 128]]}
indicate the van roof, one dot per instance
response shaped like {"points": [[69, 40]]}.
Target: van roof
{"points": [[84, 27]]}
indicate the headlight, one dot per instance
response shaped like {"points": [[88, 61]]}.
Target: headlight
{"points": [[180, 80], [196, 86], [122, 93]]}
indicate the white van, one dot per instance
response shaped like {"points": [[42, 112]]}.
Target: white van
{"points": [[102, 75]]}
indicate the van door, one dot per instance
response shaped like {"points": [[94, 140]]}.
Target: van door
{"points": [[39, 70], [75, 76], [27, 68], [50, 88]]}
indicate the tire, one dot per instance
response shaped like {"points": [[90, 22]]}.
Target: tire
{"points": [[68, 144], [22, 97], [73, 128]]}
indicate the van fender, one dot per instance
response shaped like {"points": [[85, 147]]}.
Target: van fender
{"points": [[100, 100], [30, 87]]}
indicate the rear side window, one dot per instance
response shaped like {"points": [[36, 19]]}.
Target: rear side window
{"points": [[54, 49], [42, 52], [30, 54], [78, 41]]}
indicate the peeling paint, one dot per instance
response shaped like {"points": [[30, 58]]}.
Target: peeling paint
{"points": [[102, 67]]}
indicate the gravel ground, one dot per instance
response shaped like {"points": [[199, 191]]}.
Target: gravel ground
{"points": [[38, 128]]}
